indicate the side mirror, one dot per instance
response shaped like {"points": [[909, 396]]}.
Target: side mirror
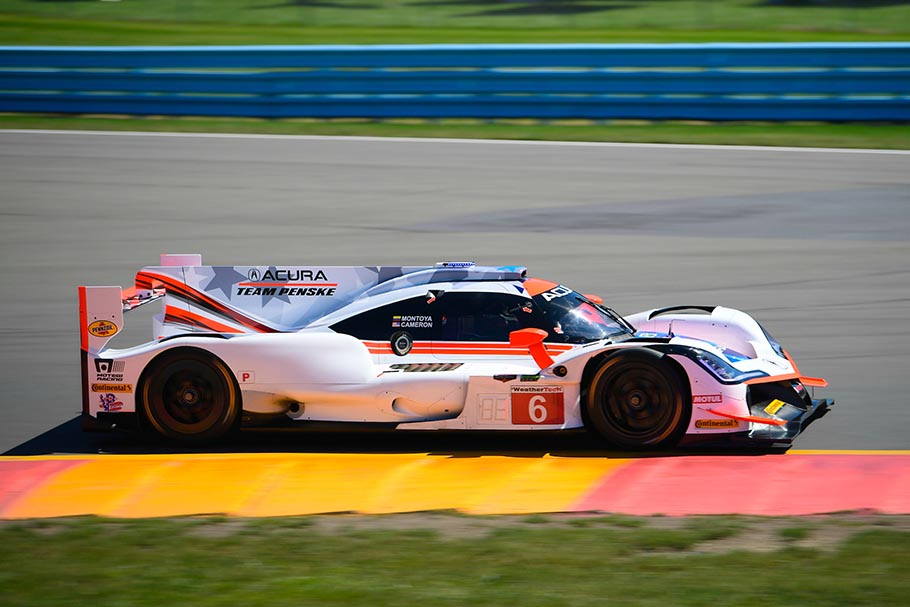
{"points": [[532, 339]]}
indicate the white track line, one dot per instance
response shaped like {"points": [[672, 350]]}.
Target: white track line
{"points": [[355, 138]]}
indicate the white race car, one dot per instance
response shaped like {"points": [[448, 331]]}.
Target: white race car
{"points": [[452, 346]]}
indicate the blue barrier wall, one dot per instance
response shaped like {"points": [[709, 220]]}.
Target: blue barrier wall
{"points": [[832, 82]]}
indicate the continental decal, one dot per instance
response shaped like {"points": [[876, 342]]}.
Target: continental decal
{"points": [[121, 388], [716, 424], [103, 328]]}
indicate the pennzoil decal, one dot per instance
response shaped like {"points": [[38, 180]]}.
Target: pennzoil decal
{"points": [[103, 328], [716, 423], [123, 388]]}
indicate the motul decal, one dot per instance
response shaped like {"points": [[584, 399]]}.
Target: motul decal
{"points": [[708, 399]]}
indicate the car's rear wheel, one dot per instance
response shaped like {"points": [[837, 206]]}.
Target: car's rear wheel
{"points": [[190, 396], [636, 400]]}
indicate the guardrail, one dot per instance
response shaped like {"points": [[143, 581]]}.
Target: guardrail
{"points": [[812, 81]]}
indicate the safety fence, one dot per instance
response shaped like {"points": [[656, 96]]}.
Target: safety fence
{"points": [[811, 81]]}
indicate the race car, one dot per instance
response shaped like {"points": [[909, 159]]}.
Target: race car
{"points": [[451, 346]]}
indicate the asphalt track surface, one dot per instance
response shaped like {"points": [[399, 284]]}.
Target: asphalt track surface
{"points": [[814, 243]]}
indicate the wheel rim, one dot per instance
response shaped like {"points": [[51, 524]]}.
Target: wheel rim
{"points": [[189, 397], [640, 404]]}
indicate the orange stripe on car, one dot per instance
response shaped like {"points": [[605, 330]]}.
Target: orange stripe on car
{"points": [[287, 284], [750, 418], [814, 382], [536, 286], [771, 379], [176, 288], [83, 320], [462, 348], [183, 316]]}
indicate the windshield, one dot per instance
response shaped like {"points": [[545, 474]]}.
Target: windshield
{"points": [[572, 318]]}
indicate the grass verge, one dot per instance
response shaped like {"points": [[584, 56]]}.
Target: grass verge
{"points": [[882, 136], [438, 559], [416, 21], [16, 29]]}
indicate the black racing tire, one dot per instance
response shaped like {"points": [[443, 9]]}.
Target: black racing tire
{"points": [[190, 396], [636, 400]]}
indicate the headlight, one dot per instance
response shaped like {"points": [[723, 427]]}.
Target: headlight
{"points": [[720, 368]]}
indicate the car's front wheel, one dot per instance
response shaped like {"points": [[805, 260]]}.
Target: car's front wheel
{"points": [[190, 396], [636, 400]]}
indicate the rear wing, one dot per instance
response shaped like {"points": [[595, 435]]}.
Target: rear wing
{"points": [[101, 309]]}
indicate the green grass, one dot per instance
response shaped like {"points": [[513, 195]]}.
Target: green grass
{"points": [[189, 22], [884, 136], [421, 21], [204, 562], [794, 534], [31, 30]]}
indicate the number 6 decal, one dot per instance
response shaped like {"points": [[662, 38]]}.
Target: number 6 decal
{"points": [[537, 405], [537, 409]]}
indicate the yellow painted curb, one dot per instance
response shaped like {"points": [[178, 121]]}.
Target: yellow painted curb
{"points": [[258, 485]]}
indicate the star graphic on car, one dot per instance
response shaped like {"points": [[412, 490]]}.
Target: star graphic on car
{"points": [[268, 296], [223, 279]]}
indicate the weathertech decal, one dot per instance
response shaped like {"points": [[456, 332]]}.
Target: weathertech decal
{"points": [[537, 405]]}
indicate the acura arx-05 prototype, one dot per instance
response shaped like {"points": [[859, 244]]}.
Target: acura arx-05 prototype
{"points": [[452, 346]]}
